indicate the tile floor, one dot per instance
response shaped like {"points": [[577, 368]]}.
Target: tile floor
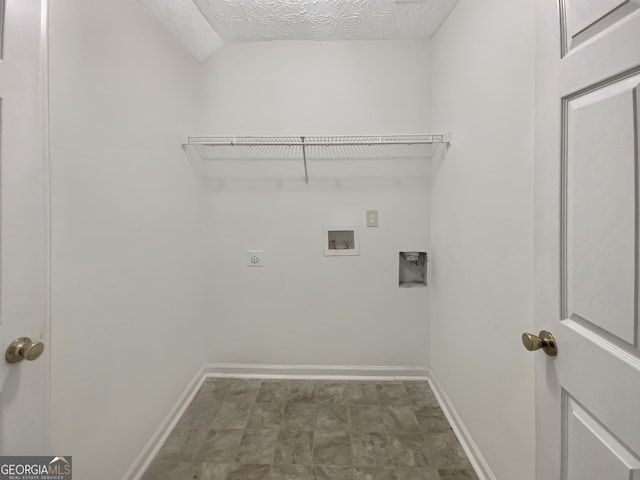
{"points": [[239, 429]]}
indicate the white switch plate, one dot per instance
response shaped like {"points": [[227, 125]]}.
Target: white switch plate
{"points": [[254, 258], [372, 218]]}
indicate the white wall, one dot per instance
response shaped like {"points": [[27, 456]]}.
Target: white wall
{"points": [[127, 282], [482, 220], [303, 308]]}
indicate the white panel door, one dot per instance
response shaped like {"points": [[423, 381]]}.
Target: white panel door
{"points": [[586, 238], [24, 226]]}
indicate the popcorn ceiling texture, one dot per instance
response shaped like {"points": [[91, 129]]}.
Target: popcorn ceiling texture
{"points": [[201, 26], [259, 20]]}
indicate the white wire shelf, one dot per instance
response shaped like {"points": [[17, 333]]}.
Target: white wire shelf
{"points": [[326, 141], [205, 149]]}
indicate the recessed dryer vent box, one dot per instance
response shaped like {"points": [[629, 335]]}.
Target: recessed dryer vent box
{"points": [[341, 241], [412, 269]]}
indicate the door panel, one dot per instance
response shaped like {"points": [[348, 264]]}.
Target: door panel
{"points": [[586, 238], [594, 452], [585, 19], [604, 379], [601, 210]]}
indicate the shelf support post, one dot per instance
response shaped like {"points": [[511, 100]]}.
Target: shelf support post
{"points": [[304, 158]]}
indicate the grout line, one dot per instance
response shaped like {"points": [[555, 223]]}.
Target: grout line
{"points": [[350, 435]]}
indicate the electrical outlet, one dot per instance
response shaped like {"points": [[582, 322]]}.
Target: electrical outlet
{"points": [[372, 218], [254, 258]]}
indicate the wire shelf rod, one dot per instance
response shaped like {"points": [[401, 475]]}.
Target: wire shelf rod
{"points": [[304, 158], [318, 141]]}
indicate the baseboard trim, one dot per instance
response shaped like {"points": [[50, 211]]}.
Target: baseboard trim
{"points": [[470, 447], [140, 464], [318, 372]]}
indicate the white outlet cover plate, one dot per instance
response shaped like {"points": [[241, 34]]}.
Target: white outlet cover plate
{"points": [[254, 258]]}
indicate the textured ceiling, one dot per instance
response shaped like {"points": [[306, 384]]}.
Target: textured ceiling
{"points": [[202, 26], [258, 20]]}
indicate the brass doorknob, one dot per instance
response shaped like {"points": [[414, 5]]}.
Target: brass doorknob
{"points": [[544, 340], [23, 349]]}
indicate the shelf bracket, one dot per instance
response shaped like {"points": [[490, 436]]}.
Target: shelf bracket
{"points": [[304, 159]]}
